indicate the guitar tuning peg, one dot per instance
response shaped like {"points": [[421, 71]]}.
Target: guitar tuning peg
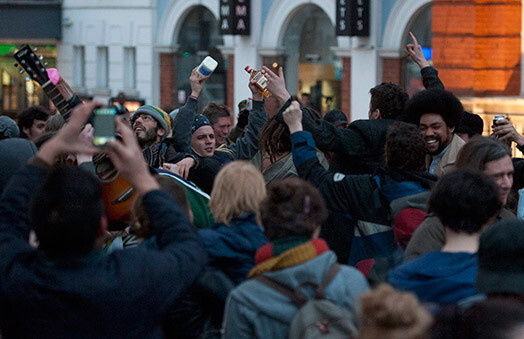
{"points": [[41, 57], [45, 64], [23, 62], [35, 49], [21, 71], [32, 55], [15, 64], [37, 62], [27, 79], [42, 70], [29, 69]]}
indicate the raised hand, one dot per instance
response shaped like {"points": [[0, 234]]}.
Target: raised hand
{"points": [[293, 117], [415, 52], [86, 137], [276, 84], [255, 93], [504, 130], [68, 140], [197, 82]]}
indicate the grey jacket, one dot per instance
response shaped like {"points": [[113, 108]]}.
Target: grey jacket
{"points": [[254, 310]]}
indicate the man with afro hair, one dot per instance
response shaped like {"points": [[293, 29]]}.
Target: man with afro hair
{"points": [[437, 112]]}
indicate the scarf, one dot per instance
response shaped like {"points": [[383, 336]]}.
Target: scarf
{"points": [[287, 252]]}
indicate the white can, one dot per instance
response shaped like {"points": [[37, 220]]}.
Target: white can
{"points": [[207, 66]]}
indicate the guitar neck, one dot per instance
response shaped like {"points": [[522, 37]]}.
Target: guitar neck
{"points": [[58, 99]]}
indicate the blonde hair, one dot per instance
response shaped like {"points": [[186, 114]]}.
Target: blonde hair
{"points": [[389, 313], [239, 188]]}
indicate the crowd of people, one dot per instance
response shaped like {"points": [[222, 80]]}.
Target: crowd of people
{"points": [[408, 224]]}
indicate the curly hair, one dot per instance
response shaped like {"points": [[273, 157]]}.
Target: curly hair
{"points": [[435, 101], [405, 147], [464, 200], [389, 313], [293, 207], [389, 99]]}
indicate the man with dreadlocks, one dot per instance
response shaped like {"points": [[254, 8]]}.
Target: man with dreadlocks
{"points": [[275, 147]]}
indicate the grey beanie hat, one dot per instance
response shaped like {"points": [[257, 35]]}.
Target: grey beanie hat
{"points": [[8, 127], [156, 113]]}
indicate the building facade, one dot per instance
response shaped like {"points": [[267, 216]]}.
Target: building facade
{"points": [[147, 48]]}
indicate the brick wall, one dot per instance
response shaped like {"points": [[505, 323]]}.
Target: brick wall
{"points": [[476, 45], [230, 86], [167, 79], [392, 70], [345, 90]]}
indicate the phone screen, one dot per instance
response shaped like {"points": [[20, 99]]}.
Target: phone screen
{"points": [[104, 125]]}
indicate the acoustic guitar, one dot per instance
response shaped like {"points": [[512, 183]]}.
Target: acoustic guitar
{"points": [[118, 194]]}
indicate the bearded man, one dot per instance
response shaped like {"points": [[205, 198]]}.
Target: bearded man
{"points": [[152, 126]]}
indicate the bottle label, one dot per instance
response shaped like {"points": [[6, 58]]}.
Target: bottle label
{"points": [[204, 70], [260, 80]]}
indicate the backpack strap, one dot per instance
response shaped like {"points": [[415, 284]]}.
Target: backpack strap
{"points": [[297, 298], [328, 278]]}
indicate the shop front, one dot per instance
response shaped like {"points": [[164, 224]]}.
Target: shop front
{"points": [[312, 70]]}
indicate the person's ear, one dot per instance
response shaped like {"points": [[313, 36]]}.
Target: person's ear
{"points": [[161, 132], [376, 115], [27, 131]]}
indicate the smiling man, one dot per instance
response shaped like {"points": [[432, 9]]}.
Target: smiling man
{"points": [[220, 118], [437, 113]]}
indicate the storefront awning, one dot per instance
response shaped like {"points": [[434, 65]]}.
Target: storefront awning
{"points": [[30, 20]]}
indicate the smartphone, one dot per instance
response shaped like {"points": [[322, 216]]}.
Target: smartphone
{"points": [[104, 125]]}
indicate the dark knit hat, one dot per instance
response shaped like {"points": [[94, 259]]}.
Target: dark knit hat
{"points": [[470, 124], [200, 120], [501, 258], [8, 127], [158, 114], [243, 105], [336, 117]]}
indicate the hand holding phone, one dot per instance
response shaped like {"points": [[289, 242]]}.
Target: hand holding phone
{"points": [[104, 125]]}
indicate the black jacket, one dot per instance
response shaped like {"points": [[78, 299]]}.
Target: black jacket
{"points": [[121, 295], [359, 148]]}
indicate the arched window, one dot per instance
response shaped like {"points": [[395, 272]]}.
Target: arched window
{"points": [[420, 26], [311, 66], [199, 37]]}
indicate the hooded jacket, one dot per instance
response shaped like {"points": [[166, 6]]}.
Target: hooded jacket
{"points": [[255, 310], [231, 248], [438, 277]]}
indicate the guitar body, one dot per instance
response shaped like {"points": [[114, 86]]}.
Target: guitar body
{"points": [[118, 211], [118, 194]]}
